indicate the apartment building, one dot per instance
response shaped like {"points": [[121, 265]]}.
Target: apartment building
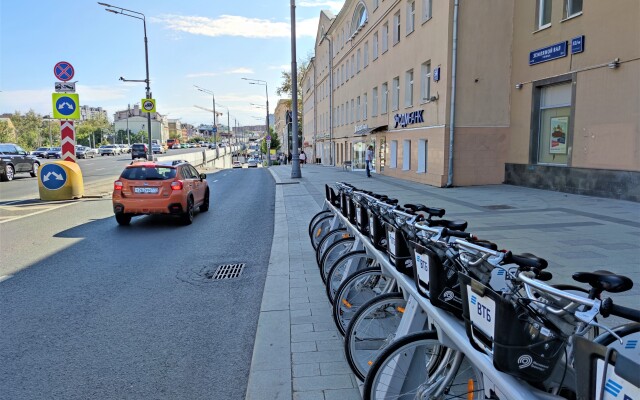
{"points": [[88, 112], [470, 93], [133, 119]]}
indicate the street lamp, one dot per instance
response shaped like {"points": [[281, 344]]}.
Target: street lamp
{"points": [[127, 13], [266, 90], [295, 157], [215, 126]]}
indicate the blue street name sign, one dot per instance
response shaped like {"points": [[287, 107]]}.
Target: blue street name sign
{"points": [[548, 53], [577, 44], [52, 176]]}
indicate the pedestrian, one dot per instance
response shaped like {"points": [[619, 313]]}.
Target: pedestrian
{"points": [[289, 157], [303, 158], [368, 158]]}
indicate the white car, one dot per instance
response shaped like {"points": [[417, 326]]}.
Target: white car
{"points": [[109, 150], [252, 163]]}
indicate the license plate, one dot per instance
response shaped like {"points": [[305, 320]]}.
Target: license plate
{"points": [[422, 264], [145, 190], [482, 312]]}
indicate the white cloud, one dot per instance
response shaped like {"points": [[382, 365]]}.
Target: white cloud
{"points": [[240, 70], [334, 6], [234, 25], [283, 67]]}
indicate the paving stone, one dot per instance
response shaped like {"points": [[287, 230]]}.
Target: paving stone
{"points": [[300, 313], [342, 394], [301, 328], [336, 344], [322, 382], [318, 357], [310, 369], [301, 347], [311, 395], [334, 368], [313, 336]]}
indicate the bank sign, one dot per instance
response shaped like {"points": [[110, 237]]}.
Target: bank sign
{"points": [[403, 120]]}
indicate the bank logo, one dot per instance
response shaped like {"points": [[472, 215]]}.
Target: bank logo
{"points": [[448, 295], [524, 361]]}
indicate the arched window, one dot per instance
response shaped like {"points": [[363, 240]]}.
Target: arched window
{"points": [[359, 18]]}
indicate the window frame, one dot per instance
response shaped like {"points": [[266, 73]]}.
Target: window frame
{"points": [[375, 46], [408, 87], [397, 28], [566, 9], [541, 8], [425, 84], [395, 94], [385, 37], [374, 102], [427, 10], [384, 93], [411, 17], [364, 106]]}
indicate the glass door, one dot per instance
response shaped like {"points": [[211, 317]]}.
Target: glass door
{"points": [[359, 150]]}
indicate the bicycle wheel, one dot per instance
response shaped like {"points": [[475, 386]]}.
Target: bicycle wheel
{"points": [[329, 239], [371, 330], [320, 229], [417, 366], [336, 250], [345, 266], [356, 290], [315, 219]]}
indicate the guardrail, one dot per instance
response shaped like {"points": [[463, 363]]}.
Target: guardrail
{"points": [[203, 157]]}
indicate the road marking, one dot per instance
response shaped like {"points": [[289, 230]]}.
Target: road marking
{"points": [[215, 181], [5, 277], [100, 169], [37, 212]]}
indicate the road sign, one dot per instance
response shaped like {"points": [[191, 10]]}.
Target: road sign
{"points": [[65, 87], [63, 71], [68, 135], [52, 176], [66, 105], [268, 137], [148, 105]]}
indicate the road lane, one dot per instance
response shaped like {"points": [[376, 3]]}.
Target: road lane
{"points": [[103, 311]]}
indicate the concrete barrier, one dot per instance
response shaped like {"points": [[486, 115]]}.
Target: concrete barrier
{"points": [[206, 157]]}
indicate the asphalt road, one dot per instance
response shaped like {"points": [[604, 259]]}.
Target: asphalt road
{"points": [[89, 309]]}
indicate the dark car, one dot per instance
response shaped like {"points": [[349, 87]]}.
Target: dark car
{"points": [[85, 152], [139, 150], [54, 152], [13, 160], [40, 152]]}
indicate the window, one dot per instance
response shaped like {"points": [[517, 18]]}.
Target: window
{"points": [[375, 45], [352, 117], [423, 155], [365, 54], [364, 107], [425, 85], [572, 7], [348, 71], [358, 108], [374, 102], [359, 18], [396, 28], [553, 115], [406, 155], [408, 90], [393, 163], [385, 96], [395, 93], [358, 53], [385, 37], [411, 16], [543, 12], [344, 74], [375, 4], [427, 10], [353, 65]]}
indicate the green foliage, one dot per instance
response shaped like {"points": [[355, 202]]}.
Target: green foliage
{"points": [[196, 139], [98, 128], [7, 134], [175, 135], [275, 142], [28, 129]]}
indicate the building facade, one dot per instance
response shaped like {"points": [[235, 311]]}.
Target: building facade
{"points": [[88, 112], [455, 93], [135, 121], [280, 125]]}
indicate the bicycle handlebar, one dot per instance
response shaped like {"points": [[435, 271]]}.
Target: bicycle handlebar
{"points": [[608, 308]]}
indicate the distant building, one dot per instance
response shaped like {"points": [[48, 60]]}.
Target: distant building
{"points": [[280, 125], [136, 121], [88, 112]]}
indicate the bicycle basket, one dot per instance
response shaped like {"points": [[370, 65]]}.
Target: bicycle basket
{"points": [[351, 210], [343, 203], [376, 230], [523, 346], [398, 250], [362, 218], [436, 277]]}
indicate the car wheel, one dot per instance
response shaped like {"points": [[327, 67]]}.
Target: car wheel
{"points": [[7, 175], [34, 170], [123, 219], [204, 207], [187, 216]]}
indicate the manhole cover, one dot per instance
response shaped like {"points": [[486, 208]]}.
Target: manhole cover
{"points": [[498, 207], [226, 271]]}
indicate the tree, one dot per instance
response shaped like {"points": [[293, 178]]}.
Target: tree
{"points": [[28, 129], [275, 142], [92, 127], [7, 133], [285, 89]]}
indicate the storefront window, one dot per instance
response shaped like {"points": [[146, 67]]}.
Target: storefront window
{"points": [[359, 149], [555, 109]]}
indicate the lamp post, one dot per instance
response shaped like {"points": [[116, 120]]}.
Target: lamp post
{"points": [[295, 158], [215, 126], [127, 13], [266, 90], [330, 98]]}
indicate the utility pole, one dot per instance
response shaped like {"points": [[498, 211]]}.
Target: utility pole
{"points": [[295, 158]]}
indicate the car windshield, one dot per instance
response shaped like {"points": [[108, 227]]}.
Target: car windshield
{"points": [[147, 173], [42, 149], [56, 148]]}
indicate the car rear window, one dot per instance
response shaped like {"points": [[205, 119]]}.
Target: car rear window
{"points": [[138, 147], [145, 173]]}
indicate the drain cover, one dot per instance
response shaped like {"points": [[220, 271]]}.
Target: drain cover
{"points": [[226, 271], [498, 207]]}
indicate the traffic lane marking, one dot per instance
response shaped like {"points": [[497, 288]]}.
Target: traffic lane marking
{"points": [[5, 277], [10, 218]]}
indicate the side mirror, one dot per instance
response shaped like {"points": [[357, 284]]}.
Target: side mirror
{"points": [[23, 153], [203, 177]]}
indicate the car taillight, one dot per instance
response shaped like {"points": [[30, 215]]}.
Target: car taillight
{"points": [[177, 185], [117, 185]]}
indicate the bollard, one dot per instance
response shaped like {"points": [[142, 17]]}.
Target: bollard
{"points": [[60, 180]]}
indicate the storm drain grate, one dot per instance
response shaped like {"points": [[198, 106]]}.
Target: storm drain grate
{"points": [[498, 207], [226, 271]]}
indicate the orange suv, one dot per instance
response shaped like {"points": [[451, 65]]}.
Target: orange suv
{"points": [[170, 187]]}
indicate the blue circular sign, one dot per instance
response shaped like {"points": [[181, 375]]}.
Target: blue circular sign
{"points": [[52, 176], [65, 105]]}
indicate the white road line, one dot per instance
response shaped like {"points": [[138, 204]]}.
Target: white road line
{"points": [[5, 277], [215, 181], [100, 169], [37, 212]]}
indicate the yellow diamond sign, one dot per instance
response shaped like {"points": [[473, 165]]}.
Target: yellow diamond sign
{"points": [[66, 105], [148, 105]]}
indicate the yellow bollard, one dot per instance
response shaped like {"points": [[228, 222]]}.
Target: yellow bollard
{"points": [[60, 180]]}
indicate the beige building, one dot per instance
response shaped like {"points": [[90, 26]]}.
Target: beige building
{"points": [[280, 123], [532, 88], [135, 120]]}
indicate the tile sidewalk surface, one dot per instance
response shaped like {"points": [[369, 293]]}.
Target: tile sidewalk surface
{"points": [[298, 352]]}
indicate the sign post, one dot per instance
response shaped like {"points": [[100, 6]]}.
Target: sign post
{"points": [[66, 107]]}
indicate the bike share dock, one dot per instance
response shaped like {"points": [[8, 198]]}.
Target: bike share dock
{"points": [[298, 352]]}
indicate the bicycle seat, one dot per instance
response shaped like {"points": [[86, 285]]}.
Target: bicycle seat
{"points": [[449, 224], [528, 260], [604, 281], [391, 201]]}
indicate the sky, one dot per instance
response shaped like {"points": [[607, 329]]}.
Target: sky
{"points": [[209, 43]]}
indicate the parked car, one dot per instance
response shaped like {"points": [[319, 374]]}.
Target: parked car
{"points": [[139, 150], [237, 164], [124, 148], [109, 150], [14, 159], [40, 152], [54, 152], [169, 187], [85, 152], [252, 163], [212, 145], [157, 149]]}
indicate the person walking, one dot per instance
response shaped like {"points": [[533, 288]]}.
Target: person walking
{"points": [[368, 158], [303, 158], [289, 158]]}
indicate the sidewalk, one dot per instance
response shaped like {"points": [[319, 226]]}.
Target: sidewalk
{"points": [[298, 352]]}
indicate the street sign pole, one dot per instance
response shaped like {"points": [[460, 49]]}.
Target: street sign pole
{"points": [[66, 104]]}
